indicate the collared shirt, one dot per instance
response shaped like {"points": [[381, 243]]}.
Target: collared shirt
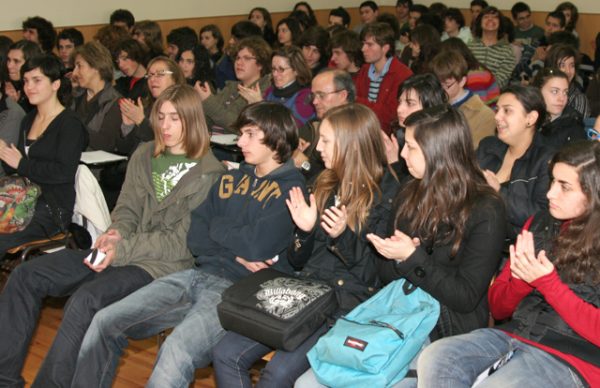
{"points": [[376, 79]]}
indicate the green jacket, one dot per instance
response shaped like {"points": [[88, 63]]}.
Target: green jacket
{"points": [[223, 108], [154, 233]]}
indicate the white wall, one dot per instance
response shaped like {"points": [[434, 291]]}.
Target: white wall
{"points": [[82, 12]]}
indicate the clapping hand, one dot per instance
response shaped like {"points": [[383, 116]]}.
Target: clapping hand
{"points": [[303, 214], [524, 264], [398, 246], [252, 94]]}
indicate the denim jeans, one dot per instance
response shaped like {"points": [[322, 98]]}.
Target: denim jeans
{"points": [[58, 274], [186, 300], [235, 354], [457, 361]]}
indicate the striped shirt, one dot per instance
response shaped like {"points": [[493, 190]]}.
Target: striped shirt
{"points": [[376, 79], [499, 58]]}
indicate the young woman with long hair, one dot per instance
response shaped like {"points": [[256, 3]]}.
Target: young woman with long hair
{"points": [[351, 198], [549, 291], [566, 58], [449, 228], [563, 124], [262, 18], [515, 161]]}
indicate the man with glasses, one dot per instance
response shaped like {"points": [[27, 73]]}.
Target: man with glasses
{"points": [[330, 88], [252, 66], [451, 69]]}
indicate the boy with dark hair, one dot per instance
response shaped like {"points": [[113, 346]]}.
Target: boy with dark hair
{"points": [[339, 16], [379, 78], [241, 228], [179, 40], [66, 42], [402, 9], [369, 10], [346, 53], [41, 31], [415, 13], [526, 32], [314, 43], [122, 18]]}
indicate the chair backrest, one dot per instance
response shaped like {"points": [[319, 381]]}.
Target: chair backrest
{"points": [[90, 204]]}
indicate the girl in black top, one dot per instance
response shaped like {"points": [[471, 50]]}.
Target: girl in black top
{"points": [[50, 144]]}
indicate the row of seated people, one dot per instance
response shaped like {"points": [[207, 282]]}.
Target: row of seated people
{"points": [[184, 230]]}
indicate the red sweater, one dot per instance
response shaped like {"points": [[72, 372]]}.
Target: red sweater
{"points": [[507, 292], [387, 99]]}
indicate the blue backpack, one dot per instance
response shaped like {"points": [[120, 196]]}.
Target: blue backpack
{"points": [[375, 343]]}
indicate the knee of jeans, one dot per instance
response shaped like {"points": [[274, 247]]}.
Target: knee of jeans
{"points": [[431, 353], [276, 376], [84, 303]]}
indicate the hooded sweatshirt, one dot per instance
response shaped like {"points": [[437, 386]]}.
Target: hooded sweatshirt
{"points": [[244, 216]]}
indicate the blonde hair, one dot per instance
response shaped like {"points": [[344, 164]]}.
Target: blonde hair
{"points": [[358, 162], [187, 103]]}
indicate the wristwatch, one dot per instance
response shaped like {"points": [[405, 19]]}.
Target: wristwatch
{"points": [[305, 165]]}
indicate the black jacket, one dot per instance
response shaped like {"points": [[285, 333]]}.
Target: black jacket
{"points": [[459, 282], [346, 263], [566, 128], [525, 193], [52, 159]]}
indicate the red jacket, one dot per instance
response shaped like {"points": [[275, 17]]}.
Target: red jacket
{"points": [[387, 99]]}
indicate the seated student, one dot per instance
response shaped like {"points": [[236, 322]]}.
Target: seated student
{"points": [[288, 32], [451, 69], [262, 18], [122, 18], [368, 10], [212, 39], [566, 59], [548, 292], [41, 32], [195, 63], [449, 245], [382, 74], [224, 68], [526, 32], [563, 124], [47, 152], [480, 80], [165, 181], [314, 43], [490, 47], [351, 147], [19, 53], [149, 34], [131, 59], [305, 8], [66, 42], [416, 93], [424, 45], [476, 7], [329, 89], [339, 16], [252, 71], [243, 224], [97, 107], [179, 40], [346, 52], [515, 162], [454, 26]]}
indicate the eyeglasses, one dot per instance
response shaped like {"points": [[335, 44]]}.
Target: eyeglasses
{"points": [[158, 74], [280, 69], [449, 85], [245, 58], [321, 95]]}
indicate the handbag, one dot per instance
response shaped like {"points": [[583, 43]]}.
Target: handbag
{"points": [[18, 197], [276, 309], [374, 344]]}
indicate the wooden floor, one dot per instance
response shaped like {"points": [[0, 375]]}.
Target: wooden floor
{"points": [[135, 367]]}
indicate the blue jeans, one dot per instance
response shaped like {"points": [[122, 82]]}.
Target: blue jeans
{"points": [[186, 300], [58, 274], [457, 361], [235, 354]]}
